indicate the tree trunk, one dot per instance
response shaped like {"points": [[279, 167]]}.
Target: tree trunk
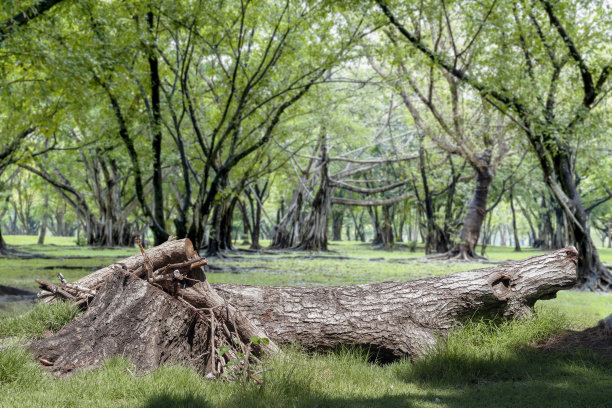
{"points": [[591, 272], [476, 213], [246, 224], [337, 218], [313, 231], [393, 319], [43, 230], [3, 246], [387, 227], [130, 317], [517, 244]]}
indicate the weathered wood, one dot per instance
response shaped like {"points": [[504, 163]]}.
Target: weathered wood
{"points": [[132, 318], [54, 289], [400, 318], [202, 295], [171, 252]]}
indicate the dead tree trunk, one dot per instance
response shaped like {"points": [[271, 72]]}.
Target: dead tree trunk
{"points": [[170, 252], [132, 318], [398, 318]]}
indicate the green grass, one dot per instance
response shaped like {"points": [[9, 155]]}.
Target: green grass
{"points": [[41, 318], [485, 364], [488, 364]]}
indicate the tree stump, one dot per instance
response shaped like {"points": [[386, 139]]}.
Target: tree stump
{"points": [[132, 318]]}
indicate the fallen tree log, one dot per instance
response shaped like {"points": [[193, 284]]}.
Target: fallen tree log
{"points": [[170, 252], [129, 315], [393, 319]]}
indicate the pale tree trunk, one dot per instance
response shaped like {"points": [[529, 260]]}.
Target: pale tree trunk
{"points": [[394, 319]]}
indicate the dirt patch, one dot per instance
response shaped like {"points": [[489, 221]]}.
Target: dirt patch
{"points": [[597, 339]]}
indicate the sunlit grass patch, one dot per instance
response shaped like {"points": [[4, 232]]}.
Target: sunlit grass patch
{"points": [[41, 318], [17, 368], [487, 350]]}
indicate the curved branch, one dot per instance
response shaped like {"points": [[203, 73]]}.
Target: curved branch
{"points": [[356, 189], [24, 17], [372, 203]]}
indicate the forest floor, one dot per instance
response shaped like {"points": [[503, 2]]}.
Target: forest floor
{"points": [[530, 363]]}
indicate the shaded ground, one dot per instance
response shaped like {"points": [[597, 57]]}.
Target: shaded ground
{"points": [[597, 339]]}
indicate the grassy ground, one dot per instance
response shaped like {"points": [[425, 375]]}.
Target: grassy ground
{"points": [[484, 364]]}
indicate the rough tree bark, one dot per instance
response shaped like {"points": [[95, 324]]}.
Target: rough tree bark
{"points": [[313, 230], [392, 319], [399, 318], [132, 318]]}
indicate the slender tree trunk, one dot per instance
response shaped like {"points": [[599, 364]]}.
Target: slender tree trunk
{"points": [[486, 237], [387, 227], [158, 192], [337, 219], [558, 240], [246, 224], [517, 244], [256, 229], [476, 213], [377, 239], [43, 230], [3, 245]]}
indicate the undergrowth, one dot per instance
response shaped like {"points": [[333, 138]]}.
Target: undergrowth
{"points": [[486, 350], [484, 363], [41, 318]]}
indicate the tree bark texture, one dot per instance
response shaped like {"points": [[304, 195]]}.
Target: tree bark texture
{"points": [[132, 318], [398, 318]]}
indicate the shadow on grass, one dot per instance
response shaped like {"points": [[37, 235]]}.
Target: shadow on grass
{"points": [[171, 401], [525, 378]]}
